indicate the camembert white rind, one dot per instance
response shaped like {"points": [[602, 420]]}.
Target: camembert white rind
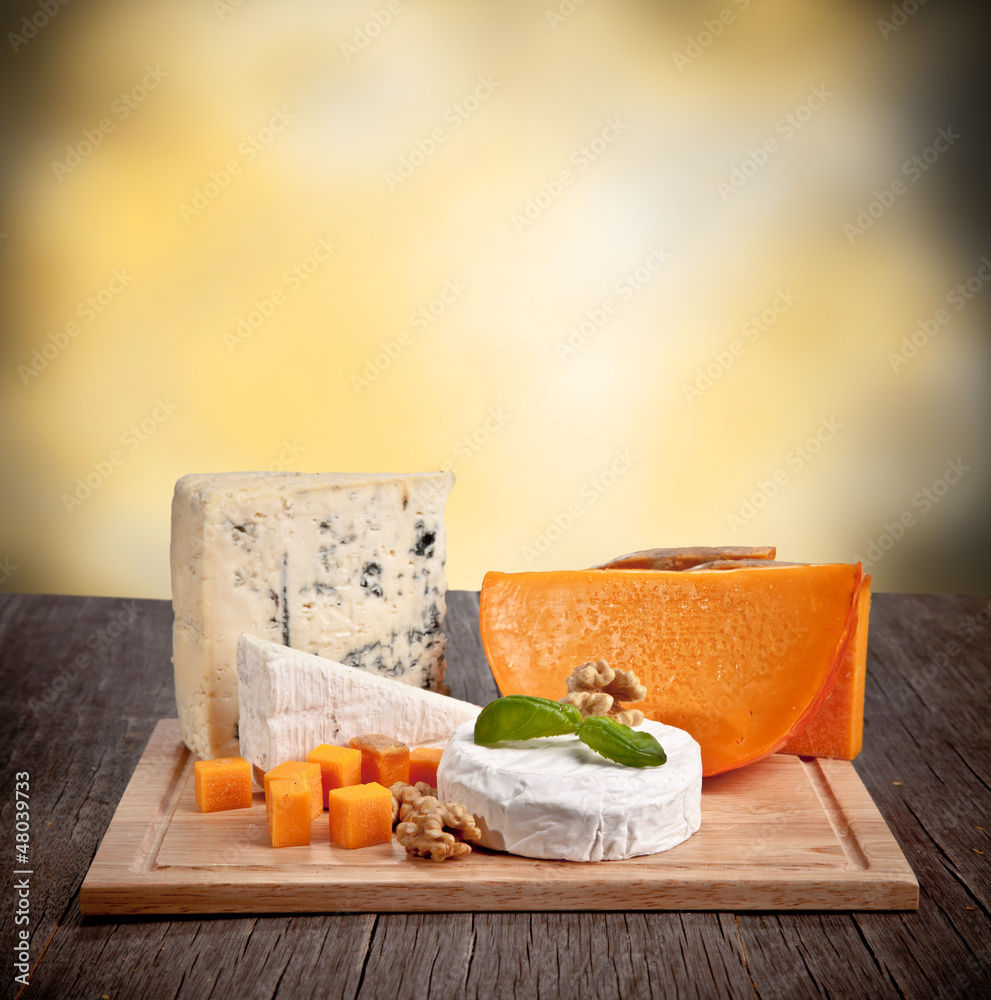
{"points": [[555, 798], [346, 566], [291, 702]]}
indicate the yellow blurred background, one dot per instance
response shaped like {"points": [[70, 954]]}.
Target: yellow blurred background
{"points": [[641, 274]]}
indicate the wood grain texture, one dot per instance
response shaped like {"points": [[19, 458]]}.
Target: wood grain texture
{"points": [[926, 727]]}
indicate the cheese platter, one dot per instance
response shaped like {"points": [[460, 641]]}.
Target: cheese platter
{"points": [[785, 833], [631, 763]]}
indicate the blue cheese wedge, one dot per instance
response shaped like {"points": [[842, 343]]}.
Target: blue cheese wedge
{"points": [[555, 798], [344, 566], [291, 702]]}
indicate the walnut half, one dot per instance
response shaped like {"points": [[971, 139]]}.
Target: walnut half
{"points": [[437, 830], [595, 688], [404, 796]]}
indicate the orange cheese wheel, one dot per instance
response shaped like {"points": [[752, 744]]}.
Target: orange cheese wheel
{"points": [[740, 659]]}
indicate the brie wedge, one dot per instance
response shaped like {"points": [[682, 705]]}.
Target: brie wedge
{"points": [[556, 798], [290, 702]]}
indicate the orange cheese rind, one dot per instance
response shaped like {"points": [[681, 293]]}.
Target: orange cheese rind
{"points": [[838, 658], [836, 728]]}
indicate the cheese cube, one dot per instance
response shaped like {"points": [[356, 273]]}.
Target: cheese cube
{"points": [[339, 767], [360, 815], [347, 566], [423, 763], [287, 810], [224, 783], [300, 770], [382, 759]]}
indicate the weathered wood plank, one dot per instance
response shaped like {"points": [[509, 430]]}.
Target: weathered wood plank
{"points": [[328, 957], [926, 762], [435, 950], [77, 727], [817, 955]]}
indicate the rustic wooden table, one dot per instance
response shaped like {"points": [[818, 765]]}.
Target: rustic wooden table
{"points": [[86, 679]]}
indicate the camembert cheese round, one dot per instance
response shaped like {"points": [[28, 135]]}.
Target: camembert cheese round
{"points": [[556, 798]]}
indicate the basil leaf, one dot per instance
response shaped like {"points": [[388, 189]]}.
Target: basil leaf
{"points": [[522, 717], [621, 743]]}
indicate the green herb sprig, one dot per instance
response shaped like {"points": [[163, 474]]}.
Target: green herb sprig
{"points": [[523, 717]]}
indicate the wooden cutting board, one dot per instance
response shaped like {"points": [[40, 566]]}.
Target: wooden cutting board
{"points": [[785, 833]]}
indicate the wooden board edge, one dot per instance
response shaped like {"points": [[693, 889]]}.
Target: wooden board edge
{"points": [[860, 827], [127, 849], [683, 893]]}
